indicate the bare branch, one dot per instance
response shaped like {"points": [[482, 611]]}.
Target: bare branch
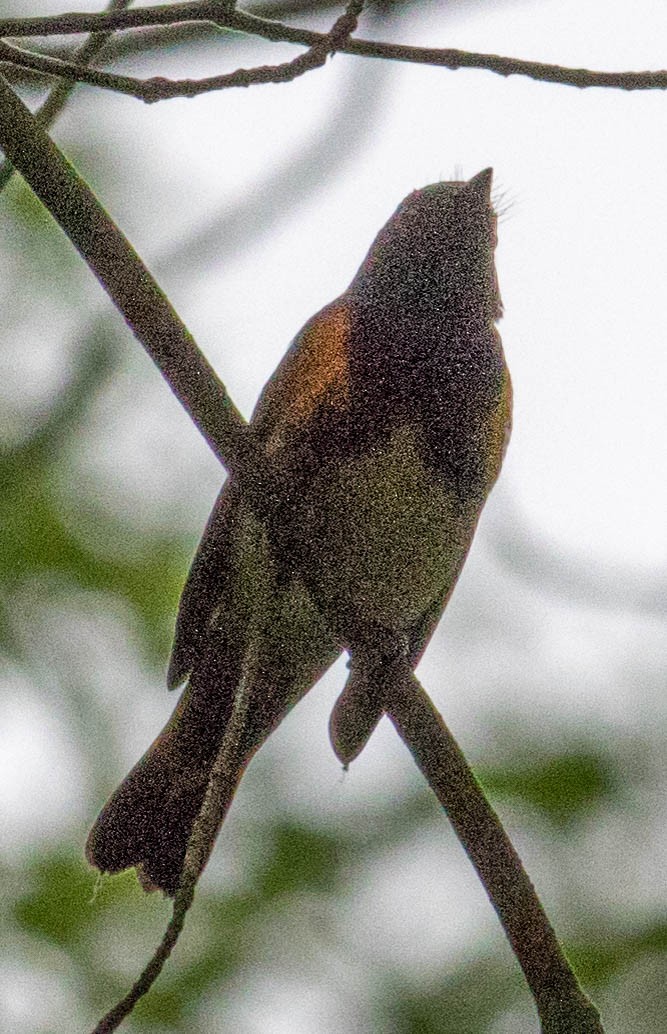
{"points": [[217, 799], [70, 24], [159, 88], [57, 98], [221, 13]]}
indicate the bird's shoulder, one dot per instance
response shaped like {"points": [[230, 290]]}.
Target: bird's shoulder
{"points": [[314, 373]]}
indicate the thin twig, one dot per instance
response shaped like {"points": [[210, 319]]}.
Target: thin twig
{"points": [[223, 778], [204, 831], [222, 14], [55, 102], [75, 22], [158, 88], [112, 1020]]}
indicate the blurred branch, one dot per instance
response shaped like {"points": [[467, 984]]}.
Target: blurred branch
{"points": [[222, 14], [92, 369], [122, 274], [567, 573], [58, 96], [269, 200]]}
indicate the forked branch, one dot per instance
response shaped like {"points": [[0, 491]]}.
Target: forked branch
{"points": [[223, 14]]}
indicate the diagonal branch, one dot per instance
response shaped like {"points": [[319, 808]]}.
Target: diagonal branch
{"points": [[223, 14], [217, 799]]}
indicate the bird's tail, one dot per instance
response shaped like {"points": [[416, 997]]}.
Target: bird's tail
{"points": [[148, 820]]}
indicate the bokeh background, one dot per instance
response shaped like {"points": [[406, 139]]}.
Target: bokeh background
{"points": [[344, 903]]}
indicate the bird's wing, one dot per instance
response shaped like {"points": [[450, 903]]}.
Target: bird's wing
{"points": [[313, 374], [203, 589]]}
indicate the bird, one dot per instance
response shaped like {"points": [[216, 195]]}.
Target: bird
{"points": [[381, 433]]}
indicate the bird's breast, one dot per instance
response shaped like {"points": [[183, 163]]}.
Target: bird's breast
{"points": [[385, 535]]}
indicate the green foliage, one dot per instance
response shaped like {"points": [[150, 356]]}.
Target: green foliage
{"points": [[107, 932], [467, 999], [44, 249], [608, 952], [51, 906], [563, 787], [301, 859], [39, 542]]}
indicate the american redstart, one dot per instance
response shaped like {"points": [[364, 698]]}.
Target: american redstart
{"points": [[383, 429]]}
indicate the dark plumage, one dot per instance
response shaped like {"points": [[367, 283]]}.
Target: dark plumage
{"points": [[384, 429]]}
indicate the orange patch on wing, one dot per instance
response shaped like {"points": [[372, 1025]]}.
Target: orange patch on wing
{"points": [[315, 370]]}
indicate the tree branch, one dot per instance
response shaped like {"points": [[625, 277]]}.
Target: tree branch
{"points": [[57, 98], [214, 11], [217, 800], [158, 88], [221, 13]]}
